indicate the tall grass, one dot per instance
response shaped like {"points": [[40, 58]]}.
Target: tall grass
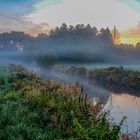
{"points": [[37, 109]]}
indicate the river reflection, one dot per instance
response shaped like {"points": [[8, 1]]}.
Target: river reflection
{"points": [[125, 105], [121, 104]]}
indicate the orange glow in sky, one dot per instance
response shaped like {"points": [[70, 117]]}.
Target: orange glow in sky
{"points": [[130, 40], [131, 35]]}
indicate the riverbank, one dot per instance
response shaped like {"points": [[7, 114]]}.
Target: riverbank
{"points": [[33, 107], [114, 79]]}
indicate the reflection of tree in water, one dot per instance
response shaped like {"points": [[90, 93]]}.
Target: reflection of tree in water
{"points": [[117, 80]]}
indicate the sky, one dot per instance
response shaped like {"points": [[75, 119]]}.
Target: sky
{"points": [[31, 15]]}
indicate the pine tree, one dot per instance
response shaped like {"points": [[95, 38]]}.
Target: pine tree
{"points": [[116, 36]]}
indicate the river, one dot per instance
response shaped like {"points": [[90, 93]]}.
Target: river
{"points": [[121, 104]]}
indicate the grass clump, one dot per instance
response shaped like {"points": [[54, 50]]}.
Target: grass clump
{"points": [[37, 109]]}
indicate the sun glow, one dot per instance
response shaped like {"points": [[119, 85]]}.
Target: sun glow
{"points": [[131, 35], [130, 40]]}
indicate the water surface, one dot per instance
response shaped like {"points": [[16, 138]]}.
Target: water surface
{"points": [[125, 105]]}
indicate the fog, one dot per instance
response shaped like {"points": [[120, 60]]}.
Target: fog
{"points": [[45, 55]]}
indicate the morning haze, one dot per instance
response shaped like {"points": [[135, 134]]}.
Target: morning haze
{"points": [[69, 69]]}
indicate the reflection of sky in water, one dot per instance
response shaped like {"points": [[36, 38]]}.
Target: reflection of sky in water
{"points": [[126, 105], [121, 104]]}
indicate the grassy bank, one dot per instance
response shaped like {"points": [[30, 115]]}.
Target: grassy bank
{"points": [[116, 79], [34, 108]]}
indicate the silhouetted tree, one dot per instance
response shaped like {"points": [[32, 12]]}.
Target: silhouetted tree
{"points": [[116, 36], [80, 31], [71, 28], [105, 35], [94, 31], [137, 45], [64, 28]]}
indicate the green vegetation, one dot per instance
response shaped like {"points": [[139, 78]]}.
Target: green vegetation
{"points": [[33, 108], [116, 79], [46, 60]]}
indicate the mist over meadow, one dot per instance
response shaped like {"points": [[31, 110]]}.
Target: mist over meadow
{"points": [[80, 44], [74, 80], [66, 46]]}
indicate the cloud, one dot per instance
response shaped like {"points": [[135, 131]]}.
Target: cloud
{"points": [[14, 24], [100, 13], [131, 35], [13, 14], [38, 29], [25, 25], [134, 31]]}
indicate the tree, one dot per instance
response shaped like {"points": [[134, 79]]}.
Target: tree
{"points": [[137, 46], [116, 36], [105, 35], [94, 31], [79, 27], [64, 28], [71, 28]]}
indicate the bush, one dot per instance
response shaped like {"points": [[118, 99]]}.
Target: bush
{"points": [[46, 60]]}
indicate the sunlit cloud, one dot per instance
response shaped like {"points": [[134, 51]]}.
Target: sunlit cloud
{"points": [[25, 25], [25, 14], [131, 35], [96, 12], [14, 15]]}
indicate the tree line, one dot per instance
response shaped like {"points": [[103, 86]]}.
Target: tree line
{"points": [[82, 31]]}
